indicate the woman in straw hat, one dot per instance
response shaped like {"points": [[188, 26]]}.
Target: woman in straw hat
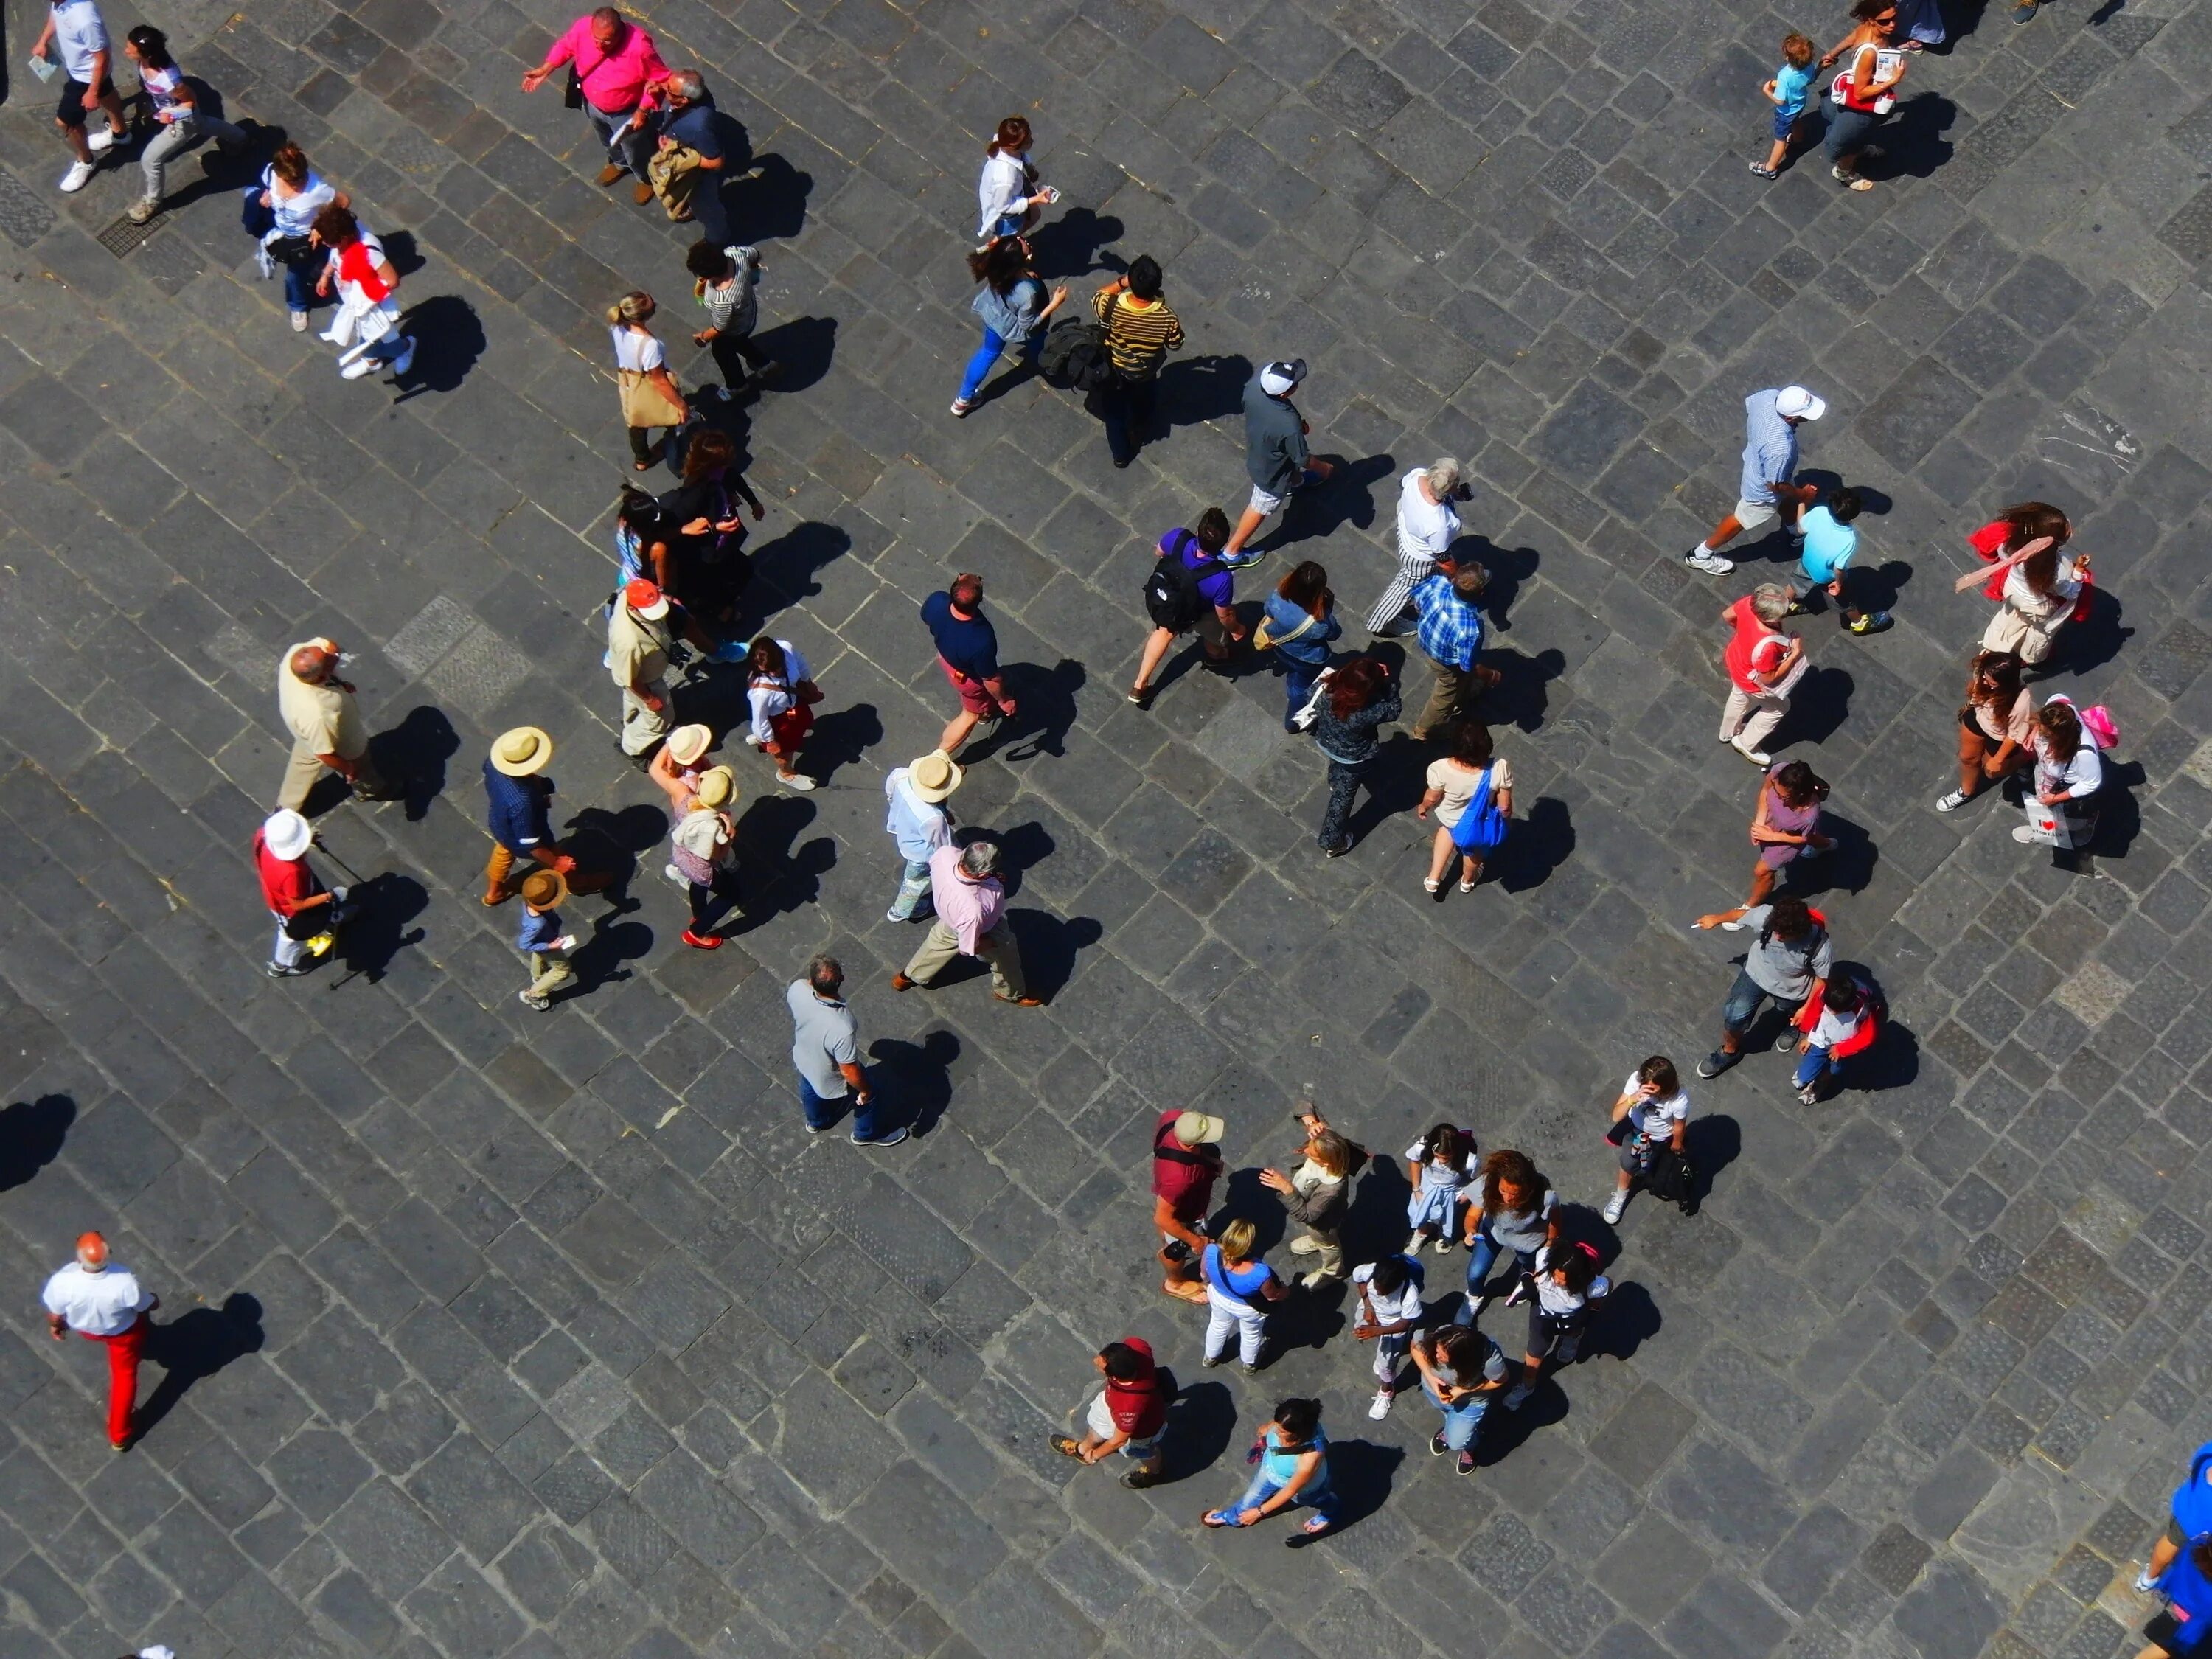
{"points": [[703, 851], [679, 764], [919, 824]]}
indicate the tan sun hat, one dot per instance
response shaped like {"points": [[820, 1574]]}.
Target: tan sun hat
{"points": [[717, 785], [543, 889], [522, 752], [935, 775], [687, 743]]}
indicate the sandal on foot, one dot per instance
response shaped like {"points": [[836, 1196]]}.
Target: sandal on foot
{"points": [[1066, 1445]]}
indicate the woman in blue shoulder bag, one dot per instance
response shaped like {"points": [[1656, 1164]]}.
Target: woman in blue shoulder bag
{"points": [[1298, 623], [1471, 794]]}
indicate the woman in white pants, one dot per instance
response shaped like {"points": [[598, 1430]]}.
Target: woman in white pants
{"points": [[176, 111], [1428, 521], [1237, 1291]]}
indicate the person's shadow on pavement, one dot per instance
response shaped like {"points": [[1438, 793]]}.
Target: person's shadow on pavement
{"points": [[376, 931], [31, 1136], [193, 1345], [1361, 1471], [914, 1079]]}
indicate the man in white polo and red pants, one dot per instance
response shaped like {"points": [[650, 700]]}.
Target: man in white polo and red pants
{"points": [[103, 1302]]}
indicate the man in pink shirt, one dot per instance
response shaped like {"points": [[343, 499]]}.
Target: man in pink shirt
{"points": [[621, 72], [971, 922]]}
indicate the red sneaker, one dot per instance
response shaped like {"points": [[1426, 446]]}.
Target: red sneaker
{"points": [[702, 942]]}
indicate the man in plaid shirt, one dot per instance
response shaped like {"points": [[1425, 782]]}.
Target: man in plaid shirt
{"points": [[1451, 633]]}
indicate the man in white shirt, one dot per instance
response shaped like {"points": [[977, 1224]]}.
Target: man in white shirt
{"points": [[103, 1302], [1428, 521], [75, 30]]}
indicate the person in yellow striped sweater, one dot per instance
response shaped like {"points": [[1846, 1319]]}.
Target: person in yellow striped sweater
{"points": [[1140, 331]]}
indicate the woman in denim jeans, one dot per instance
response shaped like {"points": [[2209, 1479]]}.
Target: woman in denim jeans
{"points": [[1013, 309], [1461, 1372], [1517, 1212], [1301, 621], [1292, 1454], [1361, 696]]}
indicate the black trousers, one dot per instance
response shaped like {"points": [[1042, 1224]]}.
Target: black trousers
{"points": [[733, 355]]}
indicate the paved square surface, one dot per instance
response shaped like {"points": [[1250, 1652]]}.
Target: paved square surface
{"points": [[557, 1335]]}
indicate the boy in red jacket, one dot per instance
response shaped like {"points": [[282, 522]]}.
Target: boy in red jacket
{"points": [[1130, 1417]]}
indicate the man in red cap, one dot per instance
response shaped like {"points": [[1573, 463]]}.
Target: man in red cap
{"points": [[103, 1302], [638, 640]]}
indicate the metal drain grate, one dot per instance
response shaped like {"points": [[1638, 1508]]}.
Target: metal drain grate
{"points": [[122, 239]]}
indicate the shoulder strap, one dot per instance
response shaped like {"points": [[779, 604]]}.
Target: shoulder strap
{"points": [[1176, 1154]]}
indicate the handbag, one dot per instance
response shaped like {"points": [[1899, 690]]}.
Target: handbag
{"points": [[1263, 639], [644, 403], [1482, 826], [1311, 712]]}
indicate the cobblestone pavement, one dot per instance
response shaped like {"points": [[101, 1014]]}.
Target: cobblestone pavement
{"points": [[558, 1335]]}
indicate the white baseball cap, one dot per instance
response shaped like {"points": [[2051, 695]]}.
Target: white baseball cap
{"points": [[1793, 403], [1279, 380]]}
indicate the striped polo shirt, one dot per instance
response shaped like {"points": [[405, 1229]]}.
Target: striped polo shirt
{"points": [[1137, 336]]}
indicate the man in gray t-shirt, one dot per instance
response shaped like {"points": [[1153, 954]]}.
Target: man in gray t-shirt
{"points": [[1789, 956], [825, 1048]]}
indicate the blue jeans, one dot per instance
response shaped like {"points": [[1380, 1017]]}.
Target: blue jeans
{"points": [[1478, 1263], [989, 353], [1743, 1002], [387, 350], [1298, 679], [1323, 1501], [1848, 132], [913, 897], [822, 1112], [1462, 1420], [1814, 1065], [299, 280]]}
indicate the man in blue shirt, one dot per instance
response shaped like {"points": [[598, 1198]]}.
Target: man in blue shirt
{"points": [[968, 651], [518, 795], [1451, 632], [1771, 420], [694, 122]]}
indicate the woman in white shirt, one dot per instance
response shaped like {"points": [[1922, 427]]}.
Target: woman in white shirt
{"points": [[1428, 521], [278, 214], [650, 396], [1656, 1114], [1008, 193], [2039, 595], [1452, 781], [177, 115], [781, 698], [2069, 771], [1558, 1289]]}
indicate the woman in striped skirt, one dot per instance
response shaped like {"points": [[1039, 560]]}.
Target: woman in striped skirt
{"points": [[1428, 519]]}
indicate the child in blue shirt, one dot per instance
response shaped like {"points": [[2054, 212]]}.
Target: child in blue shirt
{"points": [[543, 945], [1786, 92], [1825, 556]]}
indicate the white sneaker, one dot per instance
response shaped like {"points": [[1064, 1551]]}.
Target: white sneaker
{"points": [[1303, 1245], [299, 322], [78, 176], [1711, 563], [751, 742], [2143, 1583], [2029, 836], [1951, 802], [1756, 756], [1379, 1408], [674, 875], [99, 139], [1616, 1208], [798, 781], [405, 360], [359, 369]]}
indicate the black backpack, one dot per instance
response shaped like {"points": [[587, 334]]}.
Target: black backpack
{"points": [[1172, 596], [1074, 356], [1672, 1179]]}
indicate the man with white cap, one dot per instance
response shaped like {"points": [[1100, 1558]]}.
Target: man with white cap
{"points": [[1275, 455], [103, 1302], [318, 709], [304, 910], [638, 641], [919, 823], [1771, 420], [519, 797]]}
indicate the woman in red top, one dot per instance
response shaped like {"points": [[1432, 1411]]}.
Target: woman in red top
{"points": [[366, 281], [1862, 93]]}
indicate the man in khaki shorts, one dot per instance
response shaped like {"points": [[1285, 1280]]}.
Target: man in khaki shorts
{"points": [[318, 709], [1771, 420]]}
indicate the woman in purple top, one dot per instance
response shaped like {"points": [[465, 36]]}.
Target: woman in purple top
{"points": [[1784, 825]]}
